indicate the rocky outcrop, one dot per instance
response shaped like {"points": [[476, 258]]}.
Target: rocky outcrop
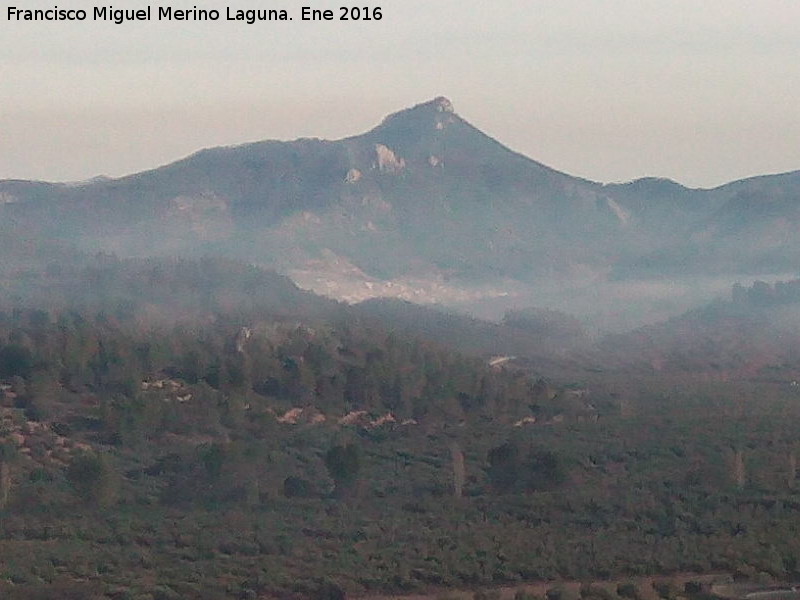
{"points": [[387, 161]]}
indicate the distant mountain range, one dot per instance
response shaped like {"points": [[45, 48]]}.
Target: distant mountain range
{"points": [[423, 204]]}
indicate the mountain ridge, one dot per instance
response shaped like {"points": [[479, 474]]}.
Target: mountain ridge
{"points": [[422, 195]]}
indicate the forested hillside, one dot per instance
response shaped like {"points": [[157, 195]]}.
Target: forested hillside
{"points": [[754, 333], [204, 429]]}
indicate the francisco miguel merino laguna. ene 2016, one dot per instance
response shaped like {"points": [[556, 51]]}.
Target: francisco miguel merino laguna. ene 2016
{"points": [[162, 13]]}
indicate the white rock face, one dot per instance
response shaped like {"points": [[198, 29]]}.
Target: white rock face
{"points": [[241, 338], [376, 203], [353, 176], [291, 416], [621, 213], [309, 217], [354, 418], [199, 204], [387, 161]]}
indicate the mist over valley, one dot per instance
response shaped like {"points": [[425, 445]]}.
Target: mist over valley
{"points": [[426, 208], [411, 362]]}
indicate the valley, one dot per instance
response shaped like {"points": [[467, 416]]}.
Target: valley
{"points": [[411, 363]]}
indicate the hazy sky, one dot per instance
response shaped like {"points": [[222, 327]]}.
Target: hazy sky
{"points": [[702, 91]]}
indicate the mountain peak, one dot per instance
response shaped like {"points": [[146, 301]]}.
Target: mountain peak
{"points": [[438, 106], [442, 104]]}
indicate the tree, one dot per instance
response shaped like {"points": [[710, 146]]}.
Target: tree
{"points": [[504, 467], [509, 471], [8, 453], [328, 590], [459, 470], [544, 470], [297, 487], [15, 361], [343, 464], [93, 478]]}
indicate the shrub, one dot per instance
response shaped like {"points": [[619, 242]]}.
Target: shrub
{"points": [[93, 479], [628, 589], [296, 487], [693, 587], [666, 589], [562, 592], [589, 590], [328, 590]]}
